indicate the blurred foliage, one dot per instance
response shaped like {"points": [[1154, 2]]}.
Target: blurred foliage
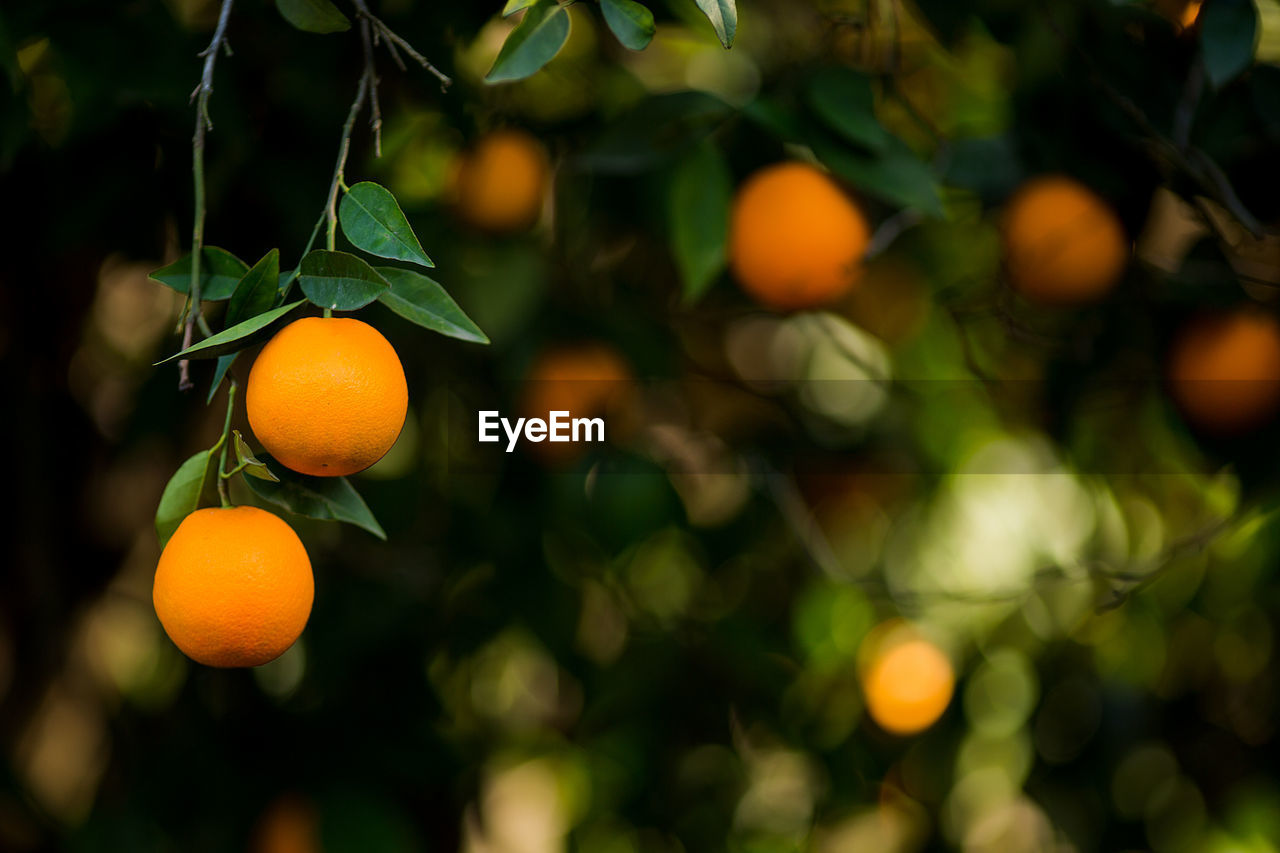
{"points": [[662, 644]]}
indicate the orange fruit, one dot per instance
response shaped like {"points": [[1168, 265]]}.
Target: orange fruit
{"points": [[796, 240], [587, 380], [501, 182], [908, 685], [327, 396], [289, 825], [1224, 370], [233, 586], [1063, 244]]}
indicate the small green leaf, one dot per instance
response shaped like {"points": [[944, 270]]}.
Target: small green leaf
{"points": [[238, 337], [219, 372], [252, 465], [532, 44], [323, 498], [843, 100], [421, 300], [1228, 33], [723, 15], [194, 483], [374, 222], [339, 281], [698, 200], [896, 175], [630, 21], [514, 6], [256, 292], [314, 16], [220, 272]]}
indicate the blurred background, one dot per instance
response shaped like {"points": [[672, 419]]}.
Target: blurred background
{"points": [[932, 568]]}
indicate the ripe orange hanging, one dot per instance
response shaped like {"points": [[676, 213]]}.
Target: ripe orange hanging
{"points": [[327, 396], [233, 587]]}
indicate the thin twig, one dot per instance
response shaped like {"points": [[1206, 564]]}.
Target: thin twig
{"points": [[371, 72], [192, 311], [393, 41], [344, 148]]}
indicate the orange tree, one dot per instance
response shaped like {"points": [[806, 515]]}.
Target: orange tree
{"points": [[936, 348]]}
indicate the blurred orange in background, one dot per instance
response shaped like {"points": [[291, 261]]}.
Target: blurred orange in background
{"points": [[1224, 370], [501, 182]]}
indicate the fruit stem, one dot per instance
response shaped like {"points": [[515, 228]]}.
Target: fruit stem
{"points": [[222, 458]]}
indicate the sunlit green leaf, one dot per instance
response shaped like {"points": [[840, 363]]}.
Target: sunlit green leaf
{"points": [[220, 272], [630, 21], [374, 222], [514, 6], [252, 465], [339, 280], [323, 498], [421, 300], [314, 16], [723, 15], [238, 336], [532, 44]]}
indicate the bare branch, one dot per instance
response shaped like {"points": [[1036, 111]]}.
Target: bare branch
{"points": [[191, 311]]}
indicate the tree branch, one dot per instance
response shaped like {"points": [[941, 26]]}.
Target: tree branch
{"points": [[191, 311]]}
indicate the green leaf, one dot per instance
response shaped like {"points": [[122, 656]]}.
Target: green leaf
{"points": [[219, 371], [1228, 32], [532, 44], [630, 21], [896, 175], [698, 200], [314, 16], [374, 222], [256, 292], [220, 272], [723, 15], [514, 6], [843, 100], [339, 281], [194, 483], [238, 336], [253, 466], [323, 498], [421, 300]]}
